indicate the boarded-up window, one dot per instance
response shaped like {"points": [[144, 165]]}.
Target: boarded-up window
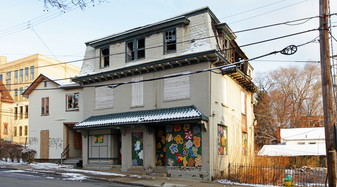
{"points": [[222, 140], [103, 98], [137, 92], [99, 149], [177, 88], [244, 143], [137, 149]]}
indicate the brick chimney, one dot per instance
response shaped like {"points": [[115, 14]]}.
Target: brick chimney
{"points": [[3, 60], [278, 138]]}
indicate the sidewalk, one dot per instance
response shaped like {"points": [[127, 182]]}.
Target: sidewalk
{"points": [[125, 178]]}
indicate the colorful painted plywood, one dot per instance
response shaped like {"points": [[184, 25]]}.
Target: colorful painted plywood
{"points": [[244, 143], [161, 146], [183, 145], [99, 139], [222, 140], [137, 148]]}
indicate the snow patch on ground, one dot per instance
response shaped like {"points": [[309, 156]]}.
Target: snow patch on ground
{"points": [[74, 176], [228, 182]]}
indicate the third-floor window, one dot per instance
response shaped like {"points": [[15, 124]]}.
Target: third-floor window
{"points": [[170, 41], [135, 49], [105, 57]]}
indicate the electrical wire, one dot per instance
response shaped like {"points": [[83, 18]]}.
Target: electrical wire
{"points": [[271, 11], [246, 45], [114, 85]]}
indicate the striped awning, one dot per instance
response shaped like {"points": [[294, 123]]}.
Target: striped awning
{"points": [[176, 114]]}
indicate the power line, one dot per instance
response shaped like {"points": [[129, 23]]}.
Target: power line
{"points": [[233, 48], [114, 85], [250, 10], [272, 11]]}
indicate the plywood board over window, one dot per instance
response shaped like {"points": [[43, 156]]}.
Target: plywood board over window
{"points": [[177, 87], [103, 98], [137, 92]]}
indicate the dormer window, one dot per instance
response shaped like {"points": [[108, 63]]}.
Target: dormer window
{"points": [[135, 49], [170, 41], [105, 57]]}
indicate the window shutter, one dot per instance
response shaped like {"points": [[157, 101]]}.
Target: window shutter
{"points": [[103, 97], [177, 87]]}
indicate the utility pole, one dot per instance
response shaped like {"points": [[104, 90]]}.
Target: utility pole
{"points": [[327, 90]]}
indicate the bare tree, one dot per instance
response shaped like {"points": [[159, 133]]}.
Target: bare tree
{"points": [[286, 96], [64, 4]]}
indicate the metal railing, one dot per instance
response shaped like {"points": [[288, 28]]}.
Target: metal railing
{"points": [[64, 153], [274, 175]]}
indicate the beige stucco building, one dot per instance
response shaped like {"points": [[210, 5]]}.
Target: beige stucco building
{"points": [[55, 106], [17, 76], [166, 97]]}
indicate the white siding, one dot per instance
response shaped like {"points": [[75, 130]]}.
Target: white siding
{"points": [[177, 88], [224, 91], [103, 98], [137, 92]]}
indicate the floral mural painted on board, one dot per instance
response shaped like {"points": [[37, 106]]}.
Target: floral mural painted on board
{"points": [[137, 149], [222, 140], [161, 146], [244, 143], [99, 139], [183, 145]]}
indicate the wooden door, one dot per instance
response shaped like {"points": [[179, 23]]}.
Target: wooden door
{"points": [[44, 144]]}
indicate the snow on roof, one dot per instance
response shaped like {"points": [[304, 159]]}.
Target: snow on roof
{"points": [[57, 81], [293, 150], [302, 134]]}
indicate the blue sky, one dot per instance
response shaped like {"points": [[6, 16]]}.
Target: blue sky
{"points": [[62, 35]]}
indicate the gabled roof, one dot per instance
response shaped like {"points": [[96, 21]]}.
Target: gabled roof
{"points": [[176, 114], [5, 95], [41, 78]]}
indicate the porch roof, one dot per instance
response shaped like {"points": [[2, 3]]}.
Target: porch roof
{"points": [[185, 113]]}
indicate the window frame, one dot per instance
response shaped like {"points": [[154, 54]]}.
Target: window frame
{"points": [[21, 75], [45, 106], [31, 73], [73, 98], [165, 42], [20, 130], [135, 49], [5, 128], [104, 60], [26, 74], [8, 80], [16, 75]]}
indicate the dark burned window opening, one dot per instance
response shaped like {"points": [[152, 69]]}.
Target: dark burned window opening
{"points": [[105, 57], [170, 39], [135, 49]]}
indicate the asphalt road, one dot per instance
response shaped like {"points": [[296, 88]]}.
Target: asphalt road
{"points": [[29, 178]]}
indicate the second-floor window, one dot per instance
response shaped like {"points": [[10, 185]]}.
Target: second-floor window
{"points": [[31, 72], [16, 76], [0, 77], [45, 106], [8, 80], [170, 41], [21, 75], [135, 49], [137, 93], [15, 113], [21, 91], [105, 57], [72, 101], [26, 114], [26, 73], [15, 92], [177, 88]]}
